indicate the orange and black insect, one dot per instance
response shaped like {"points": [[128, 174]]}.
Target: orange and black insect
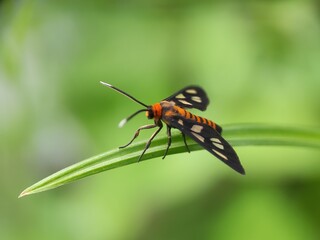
{"points": [[171, 111]]}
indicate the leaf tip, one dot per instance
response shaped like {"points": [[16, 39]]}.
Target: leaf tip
{"points": [[24, 193]]}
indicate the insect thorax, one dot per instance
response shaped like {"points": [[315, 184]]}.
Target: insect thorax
{"points": [[167, 104]]}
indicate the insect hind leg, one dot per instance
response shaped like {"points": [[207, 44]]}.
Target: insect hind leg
{"points": [[185, 142], [137, 133]]}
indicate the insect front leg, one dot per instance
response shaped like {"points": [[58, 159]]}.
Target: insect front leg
{"points": [[169, 141], [159, 124], [138, 131]]}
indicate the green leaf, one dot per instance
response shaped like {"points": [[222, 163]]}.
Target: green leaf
{"points": [[237, 135]]}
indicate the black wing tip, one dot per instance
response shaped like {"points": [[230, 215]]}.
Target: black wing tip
{"points": [[239, 169], [201, 108]]}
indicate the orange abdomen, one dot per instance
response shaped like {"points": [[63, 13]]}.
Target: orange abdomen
{"points": [[173, 110]]}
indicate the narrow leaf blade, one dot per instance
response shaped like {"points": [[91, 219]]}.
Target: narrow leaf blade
{"points": [[237, 135]]}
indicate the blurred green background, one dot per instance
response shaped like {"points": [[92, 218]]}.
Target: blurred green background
{"points": [[259, 62]]}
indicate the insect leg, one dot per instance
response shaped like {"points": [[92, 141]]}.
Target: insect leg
{"points": [[185, 142], [151, 138], [137, 133], [169, 141]]}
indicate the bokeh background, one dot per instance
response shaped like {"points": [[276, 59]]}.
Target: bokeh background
{"points": [[259, 62]]}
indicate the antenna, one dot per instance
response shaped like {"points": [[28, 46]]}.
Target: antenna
{"points": [[125, 94], [124, 121]]}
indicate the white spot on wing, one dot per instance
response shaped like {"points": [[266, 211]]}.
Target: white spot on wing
{"points": [[184, 102], [180, 122], [196, 128], [180, 96], [191, 91], [217, 140], [220, 154], [198, 136], [218, 145], [196, 99]]}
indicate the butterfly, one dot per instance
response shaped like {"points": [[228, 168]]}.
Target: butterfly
{"points": [[171, 111]]}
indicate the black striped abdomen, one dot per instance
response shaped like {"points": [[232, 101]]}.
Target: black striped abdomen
{"points": [[189, 115]]}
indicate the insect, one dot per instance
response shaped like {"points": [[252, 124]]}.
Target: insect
{"points": [[172, 112]]}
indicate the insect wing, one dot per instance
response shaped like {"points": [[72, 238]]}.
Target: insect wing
{"points": [[190, 97], [208, 138]]}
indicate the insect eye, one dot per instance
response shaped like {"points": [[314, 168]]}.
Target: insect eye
{"points": [[150, 114]]}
